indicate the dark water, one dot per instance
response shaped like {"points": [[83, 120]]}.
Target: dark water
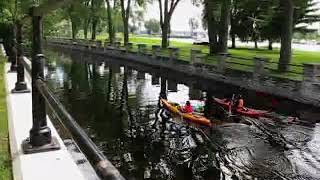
{"points": [[118, 107]]}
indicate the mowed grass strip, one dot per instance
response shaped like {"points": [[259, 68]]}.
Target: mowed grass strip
{"points": [[298, 57], [5, 160]]}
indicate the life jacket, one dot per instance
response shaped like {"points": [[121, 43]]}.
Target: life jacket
{"points": [[188, 109]]}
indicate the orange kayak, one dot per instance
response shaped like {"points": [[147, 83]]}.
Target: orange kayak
{"points": [[197, 119]]}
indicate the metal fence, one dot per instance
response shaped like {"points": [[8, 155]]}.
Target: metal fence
{"points": [[40, 138]]}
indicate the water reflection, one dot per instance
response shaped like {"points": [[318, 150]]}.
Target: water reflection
{"points": [[118, 108]]}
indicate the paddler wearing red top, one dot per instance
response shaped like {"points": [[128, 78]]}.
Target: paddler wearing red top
{"points": [[187, 108]]}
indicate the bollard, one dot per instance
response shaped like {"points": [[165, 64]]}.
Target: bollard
{"points": [[105, 45], [174, 53], [311, 72], [99, 44], [129, 47], [194, 93], [222, 58], [117, 44], [259, 64], [142, 49], [40, 139], [21, 85], [172, 86], [311, 80], [156, 50], [196, 56]]}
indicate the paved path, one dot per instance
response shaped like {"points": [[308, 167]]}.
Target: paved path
{"points": [[54, 165]]}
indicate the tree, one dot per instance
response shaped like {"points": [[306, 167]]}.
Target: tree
{"points": [[211, 16], [125, 12], [286, 34], [111, 31], [224, 26], [73, 12], [86, 17], [193, 24], [166, 8], [137, 18], [152, 26], [97, 8]]}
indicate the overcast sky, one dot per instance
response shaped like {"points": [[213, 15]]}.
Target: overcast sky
{"points": [[184, 11]]}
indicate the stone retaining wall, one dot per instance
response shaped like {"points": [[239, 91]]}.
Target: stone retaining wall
{"points": [[306, 91]]}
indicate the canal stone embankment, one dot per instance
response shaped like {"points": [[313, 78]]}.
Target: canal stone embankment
{"points": [[305, 91]]}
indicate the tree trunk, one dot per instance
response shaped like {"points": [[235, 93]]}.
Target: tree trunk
{"points": [[85, 33], [286, 35], [125, 18], [110, 23], [270, 45], [85, 28], [74, 30], [233, 38], [224, 26], [256, 44], [94, 29], [126, 33], [212, 31], [165, 37]]}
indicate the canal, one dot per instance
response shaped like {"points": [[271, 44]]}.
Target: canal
{"points": [[118, 107]]}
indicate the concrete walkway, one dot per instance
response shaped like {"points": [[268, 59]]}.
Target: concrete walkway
{"points": [[54, 165]]}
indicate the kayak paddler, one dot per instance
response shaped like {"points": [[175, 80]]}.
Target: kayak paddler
{"points": [[240, 103], [187, 108]]}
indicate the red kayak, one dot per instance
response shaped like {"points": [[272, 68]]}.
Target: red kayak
{"points": [[253, 113]]}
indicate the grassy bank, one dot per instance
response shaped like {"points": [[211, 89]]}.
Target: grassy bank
{"points": [[242, 58], [299, 57], [5, 162]]}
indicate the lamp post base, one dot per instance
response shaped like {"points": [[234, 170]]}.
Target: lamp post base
{"points": [[29, 149], [13, 68], [21, 87]]}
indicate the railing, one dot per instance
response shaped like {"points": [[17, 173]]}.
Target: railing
{"points": [[103, 166], [40, 138]]}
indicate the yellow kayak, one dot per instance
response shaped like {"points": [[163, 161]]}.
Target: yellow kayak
{"points": [[194, 118]]}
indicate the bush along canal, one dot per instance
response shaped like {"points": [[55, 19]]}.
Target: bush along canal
{"points": [[117, 104]]}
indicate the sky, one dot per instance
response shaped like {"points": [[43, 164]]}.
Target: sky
{"points": [[186, 10]]}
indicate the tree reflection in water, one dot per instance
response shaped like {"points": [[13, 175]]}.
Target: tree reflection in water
{"points": [[120, 112]]}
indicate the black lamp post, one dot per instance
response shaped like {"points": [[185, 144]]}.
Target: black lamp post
{"points": [[21, 85], [40, 139]]}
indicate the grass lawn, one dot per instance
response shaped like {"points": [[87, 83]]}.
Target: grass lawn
{"points": [[299, 57], [5, 162]]}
